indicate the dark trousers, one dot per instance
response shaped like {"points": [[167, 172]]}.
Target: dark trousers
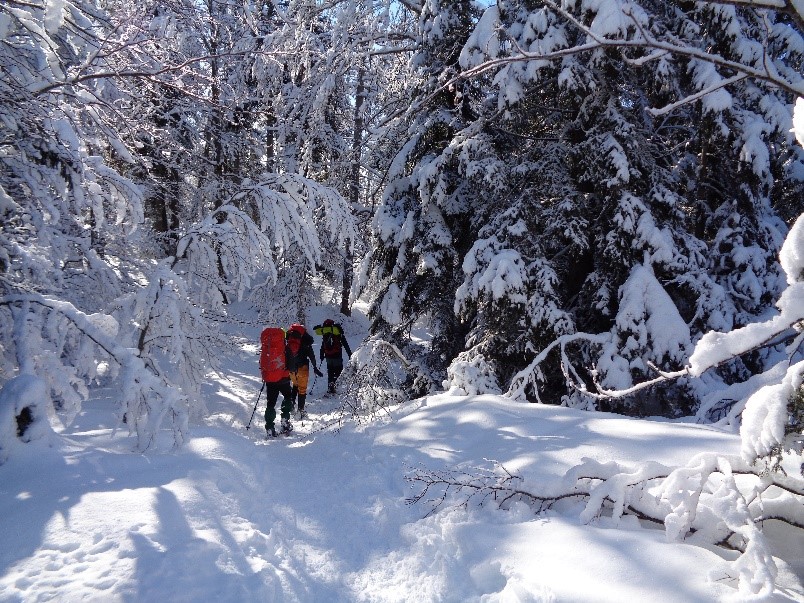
{"points": [[334, 370], [272, 391]]}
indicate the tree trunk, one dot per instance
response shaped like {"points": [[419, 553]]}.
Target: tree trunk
{"points": [[270, 140], [354, 186]]}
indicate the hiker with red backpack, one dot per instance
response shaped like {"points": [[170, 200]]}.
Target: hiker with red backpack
{"points": [[332, 345], [300, 348], [274, 360]]}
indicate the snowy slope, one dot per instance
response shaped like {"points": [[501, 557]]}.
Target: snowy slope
{"points": [[322, 516]]}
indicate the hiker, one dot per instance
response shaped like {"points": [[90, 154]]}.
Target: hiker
{"points": [[332, 346], [274, 357], [300, 346]]}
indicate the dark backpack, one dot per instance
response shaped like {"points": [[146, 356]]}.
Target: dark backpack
{"points": [[331, 334], [332, 345]]}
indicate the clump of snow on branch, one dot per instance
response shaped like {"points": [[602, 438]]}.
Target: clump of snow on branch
{"points": [[798, 121], [754, 149], [615, 18], [765, 415], [618, 484], [648, 327], [791, 255], [24, 394], [391, 305], [719, 513], [484, 41], [494, 272], [471, 373]]}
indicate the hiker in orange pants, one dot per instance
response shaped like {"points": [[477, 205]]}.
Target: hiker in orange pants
{"points": [[300, 346]]}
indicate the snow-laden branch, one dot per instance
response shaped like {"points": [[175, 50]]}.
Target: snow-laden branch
{"points": [[83, 322], [264, 219], [147, 398], [146, 74], [792, 82], [715, 348], [646, 40], [531, 375], [701, 498], [372, 379], [438, 487]]}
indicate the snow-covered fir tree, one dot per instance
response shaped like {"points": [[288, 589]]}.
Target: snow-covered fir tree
{"points": [[620, 201], [419, 228]]}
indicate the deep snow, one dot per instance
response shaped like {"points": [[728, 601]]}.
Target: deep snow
{"points": [[322, 515]]}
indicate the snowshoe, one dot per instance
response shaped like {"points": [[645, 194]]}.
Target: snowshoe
{"points": [[286, 426]]}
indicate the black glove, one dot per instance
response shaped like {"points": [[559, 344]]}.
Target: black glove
{"points": [[318, 373]]}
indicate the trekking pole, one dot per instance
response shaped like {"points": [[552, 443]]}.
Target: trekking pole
{"points": [[255, 406], [315, 376]]}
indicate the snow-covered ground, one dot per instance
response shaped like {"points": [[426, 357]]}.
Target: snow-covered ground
{"points": [[322, 515]]}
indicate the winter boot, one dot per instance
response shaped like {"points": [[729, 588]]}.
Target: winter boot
{"points": [[270, 432], [286, 426]]}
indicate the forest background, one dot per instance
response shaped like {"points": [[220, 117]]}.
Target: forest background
{"points": [[556, 201]]}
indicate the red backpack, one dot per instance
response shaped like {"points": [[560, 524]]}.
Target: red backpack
{"points": [[295, 334], [273, 365]]}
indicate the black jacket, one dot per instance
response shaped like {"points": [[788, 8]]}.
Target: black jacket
{"points": [[304, 356], [336, 353]]}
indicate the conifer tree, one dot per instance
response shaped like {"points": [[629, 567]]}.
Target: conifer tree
{"points": [[419, 227], [610, 193]]}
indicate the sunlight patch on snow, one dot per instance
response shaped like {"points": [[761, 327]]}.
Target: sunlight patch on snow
{"points": [[205, 446], [301, 443], [475, 417]]}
